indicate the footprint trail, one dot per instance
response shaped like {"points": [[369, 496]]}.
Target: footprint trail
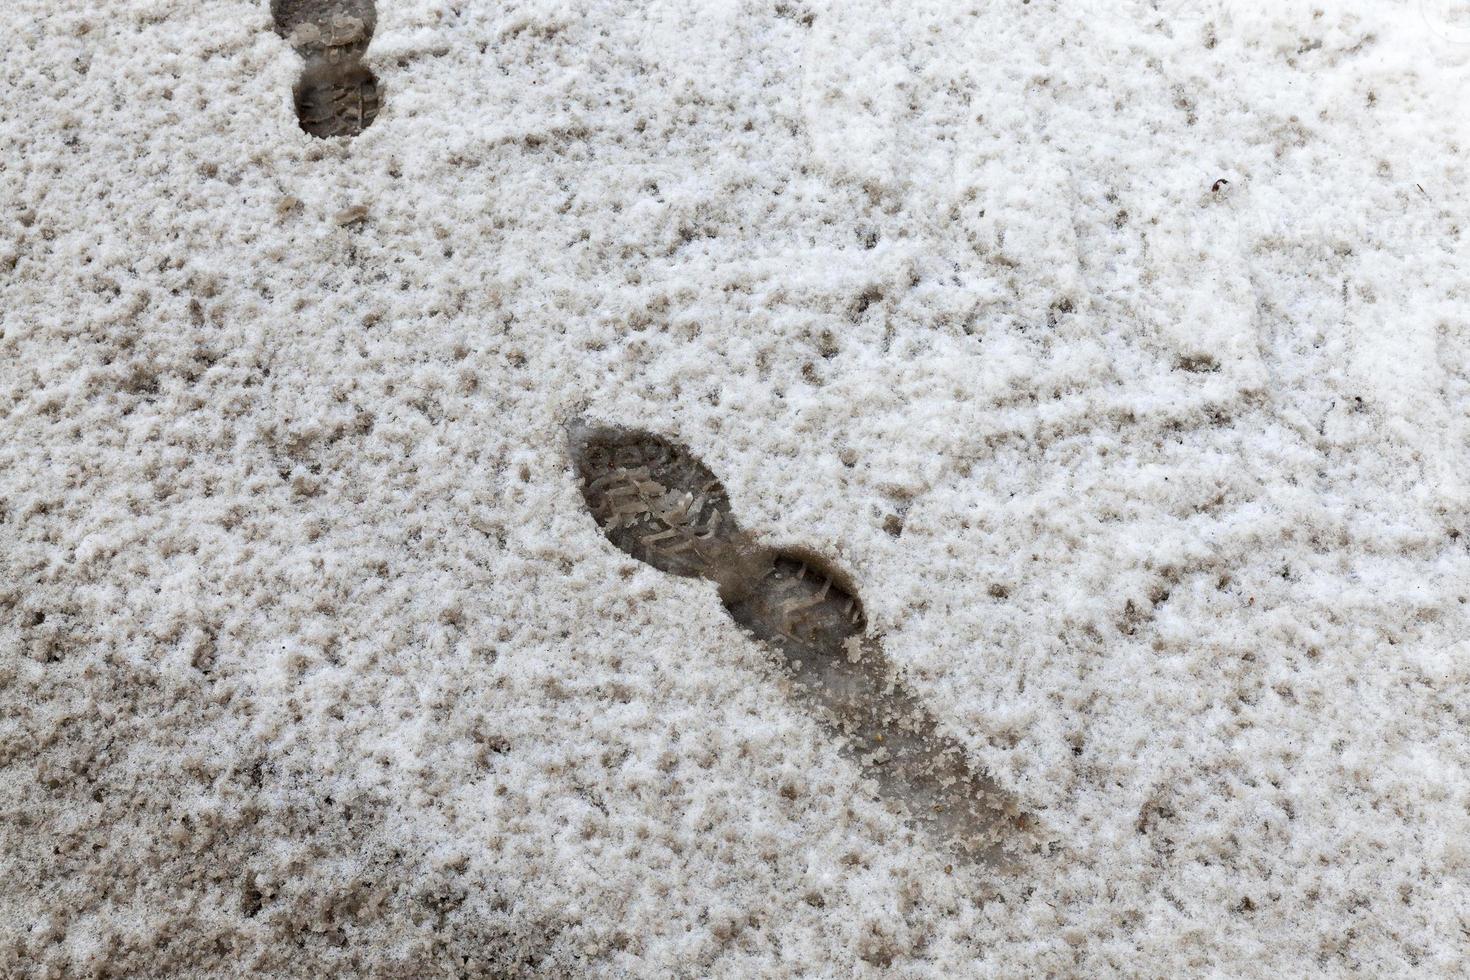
{"points": [[336, 94], [656, 502]]}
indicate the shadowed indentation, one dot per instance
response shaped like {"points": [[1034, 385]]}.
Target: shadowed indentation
{"points": [[336, 95], [658, 503]]}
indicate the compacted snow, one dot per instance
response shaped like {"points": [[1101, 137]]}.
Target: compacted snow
{"points": [[1117, 356]]}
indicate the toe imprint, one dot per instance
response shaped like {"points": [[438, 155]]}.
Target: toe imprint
{"points": [[655, 501]]}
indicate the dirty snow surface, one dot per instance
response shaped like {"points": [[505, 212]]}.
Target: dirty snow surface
{"points": [[1113, 355]]}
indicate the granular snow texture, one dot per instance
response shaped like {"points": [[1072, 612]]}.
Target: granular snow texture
{"points": [[1116, 352]]}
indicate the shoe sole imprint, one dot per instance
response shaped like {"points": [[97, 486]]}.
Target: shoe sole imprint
{"points": [[336, 94], [656, 502]]}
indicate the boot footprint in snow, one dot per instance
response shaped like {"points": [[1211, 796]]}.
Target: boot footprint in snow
{"points": [[656, 502], [336, 94]]}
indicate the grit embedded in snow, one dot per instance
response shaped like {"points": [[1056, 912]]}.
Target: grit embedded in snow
{"points": [[1117, 354]]}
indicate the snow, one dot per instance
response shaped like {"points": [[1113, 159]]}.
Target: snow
{"points": [[1146, 321]]}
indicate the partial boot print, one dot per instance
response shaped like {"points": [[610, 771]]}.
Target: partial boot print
{"points": [[336, 94], [658, 503]]}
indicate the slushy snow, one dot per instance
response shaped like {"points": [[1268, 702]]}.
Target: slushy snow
{"points": [[1119, 353]]}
